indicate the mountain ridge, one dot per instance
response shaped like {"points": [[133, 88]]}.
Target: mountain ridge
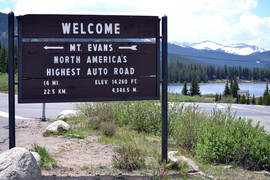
{"points": [[238, 48], [220, 58]]}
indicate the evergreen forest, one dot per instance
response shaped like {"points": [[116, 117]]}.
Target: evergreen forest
{"points": [[181, 72]]}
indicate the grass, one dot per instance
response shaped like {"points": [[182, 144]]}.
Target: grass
{"points": [[84, 168], [129, 156], [4, 83], [228, 172], [46, 162], [182, 98]]}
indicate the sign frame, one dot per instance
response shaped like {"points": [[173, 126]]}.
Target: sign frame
{"points": [[21, 33]]}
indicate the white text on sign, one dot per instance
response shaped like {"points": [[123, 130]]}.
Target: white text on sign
{"points": [[91, 28]]}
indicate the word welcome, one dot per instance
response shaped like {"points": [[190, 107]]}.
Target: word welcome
{"points": [[91, 28]]}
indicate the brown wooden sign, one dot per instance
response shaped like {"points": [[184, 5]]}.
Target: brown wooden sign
{"points": [[58, 71]]}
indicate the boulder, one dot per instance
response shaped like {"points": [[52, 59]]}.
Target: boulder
{"points": [[58, 126], [36, 156], [67, 113], [193, 168], [18, 163]]}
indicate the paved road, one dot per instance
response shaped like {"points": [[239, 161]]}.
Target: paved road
{"points": [[28, 111], [34, 111], [256, 112]]}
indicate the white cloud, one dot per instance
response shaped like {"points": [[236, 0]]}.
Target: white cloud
{"points": [[6, 10], [224, 21]]}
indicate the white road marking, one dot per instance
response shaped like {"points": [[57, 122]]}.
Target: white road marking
{"points": [[6, 115], [219, 106], [243, 108], [250, 109]]}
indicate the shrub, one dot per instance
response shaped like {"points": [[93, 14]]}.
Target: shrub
{"points": [[182, 167], [219, 137], [94, 122], [142, 116], [184, 125], [227, 99], [103, 110], [229, 140], [129, 157], [108, 129]]}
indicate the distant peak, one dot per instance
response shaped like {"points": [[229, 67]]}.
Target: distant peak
{"points": [[238, 48]]}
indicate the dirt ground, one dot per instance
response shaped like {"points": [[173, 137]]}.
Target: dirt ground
{"points": [[76, 158], [80, 159]]}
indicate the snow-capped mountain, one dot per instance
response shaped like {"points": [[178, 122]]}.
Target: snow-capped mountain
{"points": [[238, 49]]}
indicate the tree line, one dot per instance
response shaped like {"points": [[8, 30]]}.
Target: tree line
{"points": [[180, 72], [4, 58], [231, 90]]}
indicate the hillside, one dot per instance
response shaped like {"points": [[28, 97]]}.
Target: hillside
{"points": [[3, 28], [218, 58]]}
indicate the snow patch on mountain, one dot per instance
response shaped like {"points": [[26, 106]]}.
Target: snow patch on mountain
{"points": [[239, 49]]}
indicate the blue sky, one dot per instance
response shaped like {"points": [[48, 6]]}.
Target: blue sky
{"points": [[221, 21]]}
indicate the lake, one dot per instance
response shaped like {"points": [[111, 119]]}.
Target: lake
{"points": [[254, 88]]}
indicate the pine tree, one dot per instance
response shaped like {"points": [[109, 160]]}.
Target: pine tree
{"points": [[234, 88], [194, 89], [238, 98], [260, 101], [266, 97], [248, 99], [226, 91], [185, 89], [216, 97], [253, 101]]}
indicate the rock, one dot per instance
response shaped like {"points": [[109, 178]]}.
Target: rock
{"points": [[58, 126], [67, 113], [228, 167], [193, 168], [265, 173], [172, 158], [36, 156], [18, 163]]}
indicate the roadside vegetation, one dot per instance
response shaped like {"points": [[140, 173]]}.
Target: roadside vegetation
{"points": [[4, 82], [212, 140], [46, 161]]}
